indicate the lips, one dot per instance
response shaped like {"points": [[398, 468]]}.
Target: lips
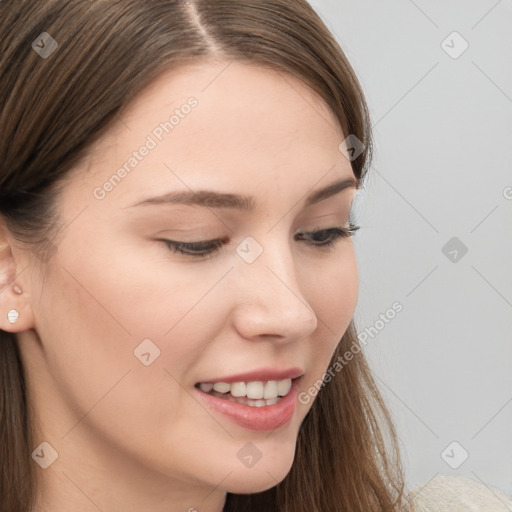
{"points": [[264, 374], [258, 400]]}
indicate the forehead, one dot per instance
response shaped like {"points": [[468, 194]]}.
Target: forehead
{"points": [[222, 124]]}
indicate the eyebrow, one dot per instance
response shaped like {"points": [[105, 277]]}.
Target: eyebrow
{"points": [[213, 199]]}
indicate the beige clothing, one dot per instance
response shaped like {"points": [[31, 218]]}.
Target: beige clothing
{"points": [[459, 494]]}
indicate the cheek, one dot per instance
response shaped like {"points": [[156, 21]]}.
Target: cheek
{"points": [[92, 317], [333, 293], [127, 291], [96, 309]]}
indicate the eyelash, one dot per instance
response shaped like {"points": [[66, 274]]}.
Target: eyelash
{"points": [[208, 247]]}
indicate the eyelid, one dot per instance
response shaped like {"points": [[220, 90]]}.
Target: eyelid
{"points": [[193, 249]]}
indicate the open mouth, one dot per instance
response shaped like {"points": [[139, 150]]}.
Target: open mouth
{"points": [[253, 393]]}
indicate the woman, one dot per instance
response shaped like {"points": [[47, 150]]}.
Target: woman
{"points": [[177, 275]]}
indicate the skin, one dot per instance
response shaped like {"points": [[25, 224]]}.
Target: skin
{"points": [[131, 437]]}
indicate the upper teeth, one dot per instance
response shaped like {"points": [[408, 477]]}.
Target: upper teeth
{"points": [[254, 389]]}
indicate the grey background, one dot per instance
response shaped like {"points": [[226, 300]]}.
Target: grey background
{"points": [[443, 133]]}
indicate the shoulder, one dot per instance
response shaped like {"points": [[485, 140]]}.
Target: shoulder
{"points": [[459, 494]]}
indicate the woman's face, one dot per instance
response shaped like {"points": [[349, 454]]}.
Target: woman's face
{"points": [[129, 330]]}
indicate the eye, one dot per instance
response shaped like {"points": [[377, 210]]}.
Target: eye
{"points": [[320, 238], [327, 238], [197, 249]]}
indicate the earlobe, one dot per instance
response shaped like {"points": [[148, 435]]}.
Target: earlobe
{"points": [[15, 311]]}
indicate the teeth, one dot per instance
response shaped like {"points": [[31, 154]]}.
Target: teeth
{"points": [[246, 401], [270, 389], [221, 387], [206, 387], [261, 393], [283, 386], [238, 389], [255, 390]]}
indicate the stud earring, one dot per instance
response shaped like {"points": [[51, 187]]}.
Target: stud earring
{"points": [[12, 316]]}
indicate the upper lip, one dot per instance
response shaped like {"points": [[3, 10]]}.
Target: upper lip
{"points": [[262, 374]]}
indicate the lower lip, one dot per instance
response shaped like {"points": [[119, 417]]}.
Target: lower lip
{"points": [[268, 417]]}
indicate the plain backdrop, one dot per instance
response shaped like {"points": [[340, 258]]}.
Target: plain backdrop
{"points": [[436, 217]]}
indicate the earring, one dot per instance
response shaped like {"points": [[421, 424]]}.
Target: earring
{"points": [[12, 316]]}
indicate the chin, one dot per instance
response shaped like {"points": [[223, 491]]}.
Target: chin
{"points": [[264, 475]]}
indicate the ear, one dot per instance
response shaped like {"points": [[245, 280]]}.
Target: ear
{"points": [[13, 296]]}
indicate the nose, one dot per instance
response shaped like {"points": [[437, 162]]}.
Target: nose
{"points": [[271, 304]]}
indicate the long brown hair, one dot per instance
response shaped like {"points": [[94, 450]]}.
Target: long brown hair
{"points": [[54, 107]]}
